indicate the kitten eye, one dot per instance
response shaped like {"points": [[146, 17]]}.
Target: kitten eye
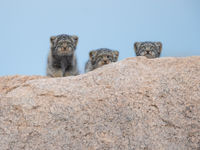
{"points": [[151, 47], [143, 47], [108, 57]]}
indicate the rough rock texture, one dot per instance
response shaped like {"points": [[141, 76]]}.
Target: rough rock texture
{"points": [[135, 104]]}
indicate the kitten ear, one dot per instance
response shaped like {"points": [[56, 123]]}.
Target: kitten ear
{"points": [[136, 46], [92, 54], [52, 38], [75, 38], [116, 54], [159, 44]]}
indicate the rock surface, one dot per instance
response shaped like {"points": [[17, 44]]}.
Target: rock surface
{"points": [[134, 104]]}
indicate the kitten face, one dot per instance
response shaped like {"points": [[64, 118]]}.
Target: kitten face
{"points": [[102, 57], [63, 45], [148, 49]]}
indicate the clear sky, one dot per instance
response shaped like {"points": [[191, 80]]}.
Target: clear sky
{"points": [[26, 25]]}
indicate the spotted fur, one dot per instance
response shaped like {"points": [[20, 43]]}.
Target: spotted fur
{"points": [[61, 59], [148, 49], [100, 57]]}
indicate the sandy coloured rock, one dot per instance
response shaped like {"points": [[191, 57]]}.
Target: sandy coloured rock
{"points": [[134, 104]]}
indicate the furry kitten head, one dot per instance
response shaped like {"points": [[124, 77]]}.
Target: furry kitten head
{"points": [[148, 49], [63, 45], [103, 56]]}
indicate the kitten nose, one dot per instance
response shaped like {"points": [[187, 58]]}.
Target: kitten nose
{"points": [[105, 61], [64, 45], [148, 51]]}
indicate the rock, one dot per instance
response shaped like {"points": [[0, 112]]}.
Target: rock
{"points": [[134, 104]]}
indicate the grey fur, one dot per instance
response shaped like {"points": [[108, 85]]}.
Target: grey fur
{"points": [[61, 59], [100, 57], [148, 49]]}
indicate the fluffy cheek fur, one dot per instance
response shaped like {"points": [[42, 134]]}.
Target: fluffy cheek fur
{"points": [[103, 62], [150, 54], [153, 54], [61, 51]]}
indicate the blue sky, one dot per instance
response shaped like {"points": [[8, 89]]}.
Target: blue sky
{"points": [[116, 24]]}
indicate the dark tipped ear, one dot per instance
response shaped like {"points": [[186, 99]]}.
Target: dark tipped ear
{"points": [[136, 46], [159, 44], [52, 38], [75, 38], [92, 54], [116, 54]]}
